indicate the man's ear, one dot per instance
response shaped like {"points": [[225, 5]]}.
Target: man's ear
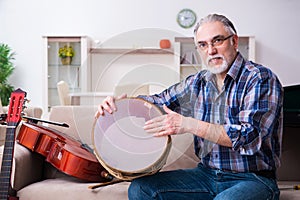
{"points": [[235, 40]]}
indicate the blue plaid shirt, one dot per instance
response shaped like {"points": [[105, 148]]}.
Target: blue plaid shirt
{"points": [[249, 107]]}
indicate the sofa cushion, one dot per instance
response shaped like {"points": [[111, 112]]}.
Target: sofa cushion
{"points": [[79, 118], [27, 167], [182, 153], [68, 188]]}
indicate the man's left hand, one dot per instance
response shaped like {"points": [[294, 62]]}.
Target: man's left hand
{"points": [[168, 124]]}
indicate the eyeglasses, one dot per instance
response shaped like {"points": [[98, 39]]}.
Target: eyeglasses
{"points": [[215, 42]]}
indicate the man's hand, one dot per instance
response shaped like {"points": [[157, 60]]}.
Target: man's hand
{"points": [[109, 105], [173, 123], [168, 124]]}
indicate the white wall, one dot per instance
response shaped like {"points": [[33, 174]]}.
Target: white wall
{"points": [[274, 23]]}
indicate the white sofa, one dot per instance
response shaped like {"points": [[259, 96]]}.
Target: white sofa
{"points": [[35, 179]]}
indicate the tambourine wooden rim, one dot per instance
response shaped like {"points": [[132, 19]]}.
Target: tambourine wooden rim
{"points": [[147, 170]]}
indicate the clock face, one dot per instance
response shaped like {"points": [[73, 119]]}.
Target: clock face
{"points": [[186, 18]]}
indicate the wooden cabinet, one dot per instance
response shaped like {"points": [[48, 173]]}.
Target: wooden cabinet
{"points": [[74, 73], [190, 61]]}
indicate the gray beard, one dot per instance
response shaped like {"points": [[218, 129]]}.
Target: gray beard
{"points": [[216, 70]]}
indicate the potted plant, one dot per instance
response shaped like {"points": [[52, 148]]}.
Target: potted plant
{"points": [[6, 69], [66, 54]]}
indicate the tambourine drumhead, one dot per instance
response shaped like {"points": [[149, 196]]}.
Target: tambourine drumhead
{"points": [[121, 144]]}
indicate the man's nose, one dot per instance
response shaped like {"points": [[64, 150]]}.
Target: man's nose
{"points": [[211, 49]]}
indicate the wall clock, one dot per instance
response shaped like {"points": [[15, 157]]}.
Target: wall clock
{"points": [[186, 18]]}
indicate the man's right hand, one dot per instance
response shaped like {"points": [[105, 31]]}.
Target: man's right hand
{"points": [[109, 105]]}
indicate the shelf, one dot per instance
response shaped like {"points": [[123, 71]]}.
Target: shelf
{"points": [[70, 88], [191, 65], [184, 39], [131, 51], [61, 65], [63, 39]]}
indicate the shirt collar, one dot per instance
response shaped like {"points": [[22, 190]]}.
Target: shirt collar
{"points": [[236, 66]]}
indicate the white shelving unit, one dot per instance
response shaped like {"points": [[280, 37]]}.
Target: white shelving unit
{"points": [[105, 70], [133, 69]]}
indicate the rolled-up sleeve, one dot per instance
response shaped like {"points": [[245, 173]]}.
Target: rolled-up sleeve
{"points": [[254, 120]]}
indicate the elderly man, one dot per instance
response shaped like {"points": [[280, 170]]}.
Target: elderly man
{"points": [[234, 110]]}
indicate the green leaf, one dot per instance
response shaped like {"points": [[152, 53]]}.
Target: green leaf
{"points": [[6, 69]]}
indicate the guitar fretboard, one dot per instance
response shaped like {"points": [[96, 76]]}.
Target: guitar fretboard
{"points": [[7, 161], [13, 118]]}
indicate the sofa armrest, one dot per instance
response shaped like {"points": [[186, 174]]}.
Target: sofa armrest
{"points": [[27, 167], [35, 112]]}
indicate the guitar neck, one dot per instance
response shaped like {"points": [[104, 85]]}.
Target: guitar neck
{"points": [[13, 118], [7, 160]]}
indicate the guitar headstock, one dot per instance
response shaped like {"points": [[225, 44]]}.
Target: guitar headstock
{"points": [[16, 105]]}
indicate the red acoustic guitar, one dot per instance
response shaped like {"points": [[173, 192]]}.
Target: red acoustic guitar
{"points": [[62, 151], [13, 118]]}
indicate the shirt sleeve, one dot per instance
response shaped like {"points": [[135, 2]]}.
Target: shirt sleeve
{"points": [[176, 97], [258, 118]]}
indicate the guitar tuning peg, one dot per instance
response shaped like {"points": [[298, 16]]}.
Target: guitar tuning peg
{"points": [[27, 100], [23, 113]]}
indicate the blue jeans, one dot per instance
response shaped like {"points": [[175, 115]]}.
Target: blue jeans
{"points": [[203, 183]]}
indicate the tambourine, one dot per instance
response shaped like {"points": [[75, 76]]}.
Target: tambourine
{"points": [[121, 144]]}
